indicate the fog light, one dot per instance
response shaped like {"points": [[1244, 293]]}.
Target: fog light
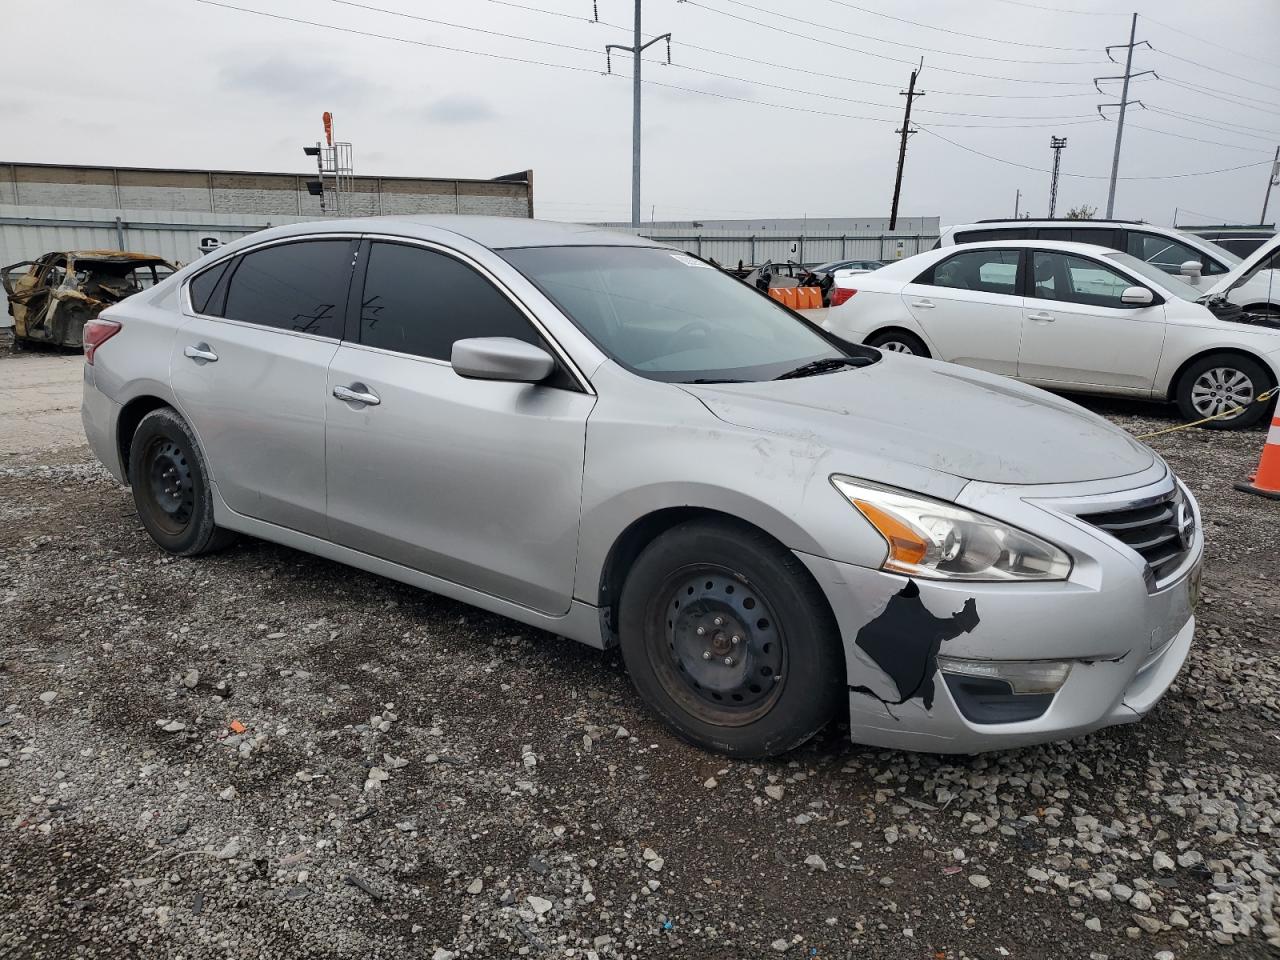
{"points": [[1002, 691], [1023, 676]]}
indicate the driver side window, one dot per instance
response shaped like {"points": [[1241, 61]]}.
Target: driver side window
{"points": [[1071, 279], [1168, 254]]}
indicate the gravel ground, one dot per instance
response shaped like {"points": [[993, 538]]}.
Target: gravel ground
{"points": [[262, 754]]}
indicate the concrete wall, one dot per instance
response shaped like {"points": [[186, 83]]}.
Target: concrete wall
{"points": [[255, 194]]}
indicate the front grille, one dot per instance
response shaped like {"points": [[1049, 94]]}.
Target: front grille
{"points": [[1160, 531]]}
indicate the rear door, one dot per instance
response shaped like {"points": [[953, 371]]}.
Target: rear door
{"points": [[249, 371], [970, 307], [1078, 331], [477, 482]]}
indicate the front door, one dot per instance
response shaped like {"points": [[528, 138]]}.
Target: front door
{"points": [[1078, 331], [970, 307], [476, 482], [249, 370]]}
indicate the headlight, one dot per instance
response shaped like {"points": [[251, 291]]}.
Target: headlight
{"points": [[930, 538]]}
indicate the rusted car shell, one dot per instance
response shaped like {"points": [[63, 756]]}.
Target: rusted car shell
{"points": [[53, 297]]}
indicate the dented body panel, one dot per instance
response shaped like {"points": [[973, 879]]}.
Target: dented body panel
{"points": [[52, 298]]}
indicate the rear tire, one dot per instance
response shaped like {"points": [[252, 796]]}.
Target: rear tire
{"points": [[759, 696], [898, 341], [1217, 382], [171, 486]]}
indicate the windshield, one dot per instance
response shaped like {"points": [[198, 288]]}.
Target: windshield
{"points": [[1221, 252], [1166, 282], [668, 316]]}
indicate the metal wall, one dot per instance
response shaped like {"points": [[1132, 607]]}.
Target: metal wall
{"points": [[28, 232], [727, 247]]}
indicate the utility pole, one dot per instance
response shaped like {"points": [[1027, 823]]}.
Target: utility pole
{"points": [[1055, 144], [906, 131], [1271, 181], [1124, 102], [1017, 203], [636, 49]]}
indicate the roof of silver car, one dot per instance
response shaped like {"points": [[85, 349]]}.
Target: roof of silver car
{"points": [[493, 232]]}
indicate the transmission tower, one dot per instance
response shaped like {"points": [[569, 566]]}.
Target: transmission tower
{"points": [[1124, 101]]}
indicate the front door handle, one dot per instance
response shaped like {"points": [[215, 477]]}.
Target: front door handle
{"points": [[923, 304], [201, 353], [1042, 316], [357, 393]]}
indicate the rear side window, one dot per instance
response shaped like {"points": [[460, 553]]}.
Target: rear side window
{"points": [[986, 236], [418, 301], [986, 271], [203, 287], [293, 286]]}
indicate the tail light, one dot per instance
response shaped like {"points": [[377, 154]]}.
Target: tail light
{"points": [[840, 294], [97, 332]]}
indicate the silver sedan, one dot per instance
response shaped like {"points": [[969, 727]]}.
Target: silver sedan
{"points": [[612, 440]]}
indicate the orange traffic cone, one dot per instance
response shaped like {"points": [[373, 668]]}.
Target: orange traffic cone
{"points": [[1266, 482]]}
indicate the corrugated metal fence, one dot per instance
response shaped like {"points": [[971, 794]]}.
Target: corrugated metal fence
{"points": [[727, 247], [27, 232]]}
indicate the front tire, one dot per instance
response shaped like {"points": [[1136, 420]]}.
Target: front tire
{"points": [[1219, 382], [898, 341], [730, 641], [171, 486]]}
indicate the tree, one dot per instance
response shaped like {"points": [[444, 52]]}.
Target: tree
{"points": [[1082, 212]]}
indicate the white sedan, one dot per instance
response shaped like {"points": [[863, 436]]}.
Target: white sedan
{"points": [[1074, 316]]}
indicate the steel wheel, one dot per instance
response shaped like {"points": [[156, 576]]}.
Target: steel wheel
{"points": [[725, 655], [171, 491], [1221, 389]]}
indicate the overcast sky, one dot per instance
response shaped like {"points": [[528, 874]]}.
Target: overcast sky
{"points": [[180, 83]]}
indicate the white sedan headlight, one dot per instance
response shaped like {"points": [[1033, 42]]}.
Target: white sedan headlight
{"points": [[940, 541]]}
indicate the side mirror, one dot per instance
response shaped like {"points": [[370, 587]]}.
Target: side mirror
{"points": [[501, 358], [1191, 269], [1137, 297]]}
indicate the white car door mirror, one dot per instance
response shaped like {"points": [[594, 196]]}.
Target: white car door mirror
{"points": [[1191, 269], [501, 358], [1137, 297]]}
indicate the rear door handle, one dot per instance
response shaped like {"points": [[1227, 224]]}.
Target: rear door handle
{"points": [[1041, 316], [201, 353], [923, 304], [357, 393]]}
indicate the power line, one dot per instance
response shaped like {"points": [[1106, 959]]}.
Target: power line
{"points": [[1183, 136], [1202, 89], [561, 66], [1090, 176], [776, 29], [897, 43], [1238, 53], [1222, 126], [1217, 70], [1081, 13], [958, 33]]}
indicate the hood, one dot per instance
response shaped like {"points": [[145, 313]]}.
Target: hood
{"points": [[942, 417], [1240, 272]]}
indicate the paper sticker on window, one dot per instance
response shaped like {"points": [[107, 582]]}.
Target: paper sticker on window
{"points": [[689, 261]]}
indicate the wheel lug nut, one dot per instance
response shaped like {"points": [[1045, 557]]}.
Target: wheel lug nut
{"points": [[735, 640], [718, 621], [706, 654], [728, 661], [700, 631]]}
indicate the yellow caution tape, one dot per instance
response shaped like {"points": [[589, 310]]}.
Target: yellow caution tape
{"points": [[1260, 398]]}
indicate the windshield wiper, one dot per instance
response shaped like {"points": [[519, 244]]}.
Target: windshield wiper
{"points": [[825, 365], [714, 380]]}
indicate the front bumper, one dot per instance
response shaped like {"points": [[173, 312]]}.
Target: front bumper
{"points": [[1125, 638]]}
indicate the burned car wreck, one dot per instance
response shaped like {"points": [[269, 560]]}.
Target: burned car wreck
{"points": [[52, 298]]}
